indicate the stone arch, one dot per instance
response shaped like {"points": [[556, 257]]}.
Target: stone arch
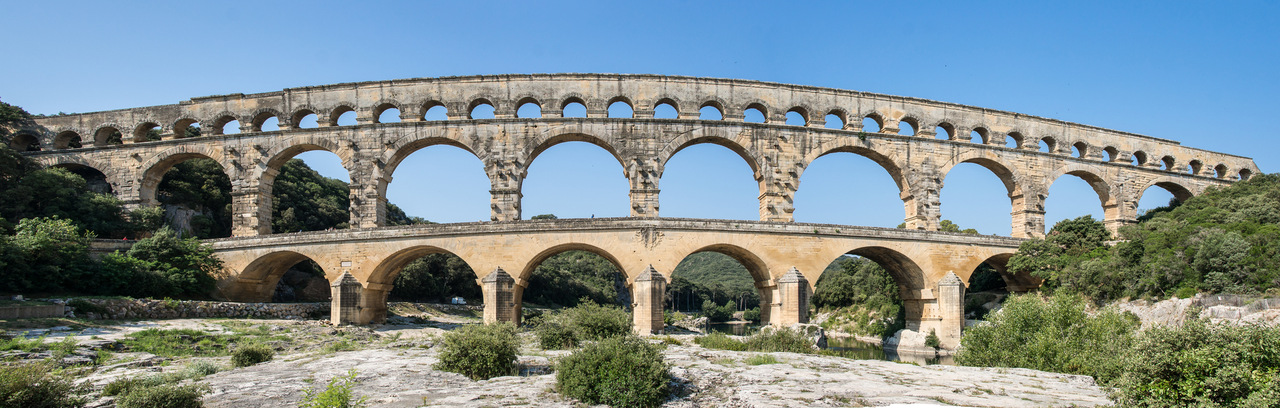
{"points": [[571, 99], [546, 142], [686, 140], [159, 164], [948, 127], [1196, 166], [144, 127], [180, 126], [760, 106], [1084, 149], [983, 134], [991, 161], [424, 107], [1245, 174], [670, 100], [915, 125], [905, 271], [1221, 171], [337, 111], [1090, 174], [841, 114], [277, 154], [401, 148], [383, 106], [67, 139], [222, 119], [757, 267], [879, 119], [526, 99], [1018, 139], [390, 267], [804, 114], [111, 173], [295, 120], [889, 165], [104, 132], [532, 264], [1051, 143], [716, 103], [1113, 154], [25, 142], [261, 116], [1015, 283], [1141, 157], [257, 280], [1171, 184], [478, 100]]}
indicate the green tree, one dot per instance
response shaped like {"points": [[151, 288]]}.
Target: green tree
{"points": [[306, 201], [42, 254], [185, 262], [200, 185]]}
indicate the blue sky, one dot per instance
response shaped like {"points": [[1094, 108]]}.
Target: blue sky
{"points": [[1201, 74]]}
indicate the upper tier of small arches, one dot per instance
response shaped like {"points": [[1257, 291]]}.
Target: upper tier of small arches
{"points": [[621, 96]]}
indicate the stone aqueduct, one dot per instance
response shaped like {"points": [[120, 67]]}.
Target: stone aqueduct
{"points": [[1118, 165]]}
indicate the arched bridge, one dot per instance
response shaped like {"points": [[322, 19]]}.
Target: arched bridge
{"points": [[785, 259], [655, 117]]}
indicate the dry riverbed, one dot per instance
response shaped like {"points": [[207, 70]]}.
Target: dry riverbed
{"points": [[394, 369]]}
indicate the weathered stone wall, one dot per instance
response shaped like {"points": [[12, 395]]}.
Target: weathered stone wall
{"points": [[35, 311], [176, 309]]}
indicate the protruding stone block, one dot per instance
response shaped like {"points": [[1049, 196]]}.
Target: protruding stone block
{"points": [[649, 288], [950, 310], [345, 308], [793, 295], [500, 298]]}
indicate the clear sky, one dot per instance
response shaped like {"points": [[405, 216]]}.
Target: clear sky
{"points": [[1199, 73]]}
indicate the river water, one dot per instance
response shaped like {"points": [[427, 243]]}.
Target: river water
{"points": [[847, 347]]}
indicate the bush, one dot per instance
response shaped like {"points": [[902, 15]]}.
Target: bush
{"points": [[162, 396], [556, 336], [623, 371], [591, 321], [251, 354], [752, 314], [203, 368], [720, 341], [1202, 364], [337, 394], [1052, 334], [779, 340], [480, 351], [932, 339], [35, 386]]}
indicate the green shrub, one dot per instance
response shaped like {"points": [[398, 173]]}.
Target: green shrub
{"points": [[1052, 334], [752, 314], [251, 354], [125, 385], [1205, 365], [932, 339], [480, 351], [591, 321], [762, 359], [35, 386], [337, 394], [779, 340], [1185, 292], [623, 371], [162, 396], [553, 335], [202, 368], [84, 306], [720, 341]]}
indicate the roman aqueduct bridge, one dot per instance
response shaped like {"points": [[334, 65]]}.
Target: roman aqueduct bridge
{"points": [[133, 148]]}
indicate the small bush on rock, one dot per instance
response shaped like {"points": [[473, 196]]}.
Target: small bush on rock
{"points": [[251, 354], [337, 394], [35, 386], [720, 341], [162, 396], [480, 351], [623, 371], [780, 340]]}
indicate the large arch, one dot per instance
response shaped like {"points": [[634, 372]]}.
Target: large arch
{"points": [[1172, 185], [1091, 175], [527, 272], [758, 269], [994, 163], [686, 140], [258, 280], [708, 180], [812, 187], [280, 154], [158, 165], [905, 271], [402, 148], [543, 143], [390, 267]]}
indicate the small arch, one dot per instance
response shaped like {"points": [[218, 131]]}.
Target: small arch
{"points": [[1080, 150], [67, 139], [25, 142], [1245, 174], [305, 119], [574, 108], [798, 116], [343, 115], [835, 120], [267, 272], [391, 266], [435, 110], [753, 115], [1220, 171], [186, 127], [1013, 140], [621, 107], [1169, 163], [944, 131], [711, 110], [873, 123], [528, 108], [107, 135], [226, 125], [266, 121], [666, 109], [386, 112], [1048, 144], [908, 126], [1196, 166], [1139, 158], [146, 132], [979, 135], [481, 109], [1111, 154]]}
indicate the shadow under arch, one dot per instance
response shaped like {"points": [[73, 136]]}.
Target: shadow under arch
{"points": [[1014, 283], [905, 272], [527, 272], [95, 180], [257, 281], [391, 266], [1180, 192]]}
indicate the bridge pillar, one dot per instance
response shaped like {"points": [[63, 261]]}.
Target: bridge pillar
{"points": [[1028, 215], [950, 310], [505, 178], [777, 206], [1118, 215], [643, 174], [251, 210], [793, 298], [501, 301], [650, 288], [345, 304], [922, 210], [368, 195], [373, 303]]}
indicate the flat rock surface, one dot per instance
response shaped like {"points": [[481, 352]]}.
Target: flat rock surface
{"points": [[710, 378]]}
